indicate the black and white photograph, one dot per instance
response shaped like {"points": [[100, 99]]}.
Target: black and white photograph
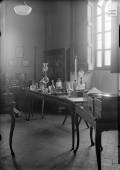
{"points": [[59, 84]]}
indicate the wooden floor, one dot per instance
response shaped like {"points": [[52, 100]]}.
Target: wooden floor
{"points": [[44, 144]]}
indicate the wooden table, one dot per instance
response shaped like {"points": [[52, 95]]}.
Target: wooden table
{"points": [[61, 100], [76, 109], [105, 117]]}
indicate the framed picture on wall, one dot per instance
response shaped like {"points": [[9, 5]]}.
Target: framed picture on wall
{"points": [[26, 63], [19, 61], [19, 51]]}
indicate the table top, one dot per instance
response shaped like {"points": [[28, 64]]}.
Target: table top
{"points": [[75, 99], [62, 96]]}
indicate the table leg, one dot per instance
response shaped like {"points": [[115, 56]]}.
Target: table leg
{"points": [[91, 136], [118, 146], [98, 147], [77, 131], [32, 107], [43, 103], [12, 115], [73, 128]]}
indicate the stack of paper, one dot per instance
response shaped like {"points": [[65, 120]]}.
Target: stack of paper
{"points": [[94, 91]]}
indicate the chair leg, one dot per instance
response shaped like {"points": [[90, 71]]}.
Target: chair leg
{"points": [[64, 120], [79, 120], [87, 124], [32, 114], [84, 121], [27, 116], [0, 137], [11, 133], [32, 108]]}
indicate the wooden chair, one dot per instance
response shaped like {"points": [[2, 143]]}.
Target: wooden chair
{"points": [[23, 102], [7, 104]]}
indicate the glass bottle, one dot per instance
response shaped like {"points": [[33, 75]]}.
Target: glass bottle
{"points": [[59, 83]]}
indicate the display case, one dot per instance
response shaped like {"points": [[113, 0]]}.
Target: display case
{"points": [[58, 64]]}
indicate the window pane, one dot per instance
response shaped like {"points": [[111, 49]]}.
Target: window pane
{"points": [[111, 7], [99, 36], [107, 40], [99, 24], [107, 57], [89, 55], [108, 5], [89, 35], [107, 17], [99, 44], [107, 26], [89, 13], [100, 2], [99, 41], [99, 11], [90, 59], [99, 59]]}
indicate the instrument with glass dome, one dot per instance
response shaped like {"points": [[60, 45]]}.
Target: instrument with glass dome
{"points": [[45, 80]]}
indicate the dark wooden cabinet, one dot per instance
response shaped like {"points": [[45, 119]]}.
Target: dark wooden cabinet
{"points": [[58, 64]]}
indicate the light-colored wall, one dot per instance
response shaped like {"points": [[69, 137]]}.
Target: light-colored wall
{"points": [[23, 39]]}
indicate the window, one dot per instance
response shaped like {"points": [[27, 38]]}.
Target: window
{"points": [[90, 36], [103, 35]]}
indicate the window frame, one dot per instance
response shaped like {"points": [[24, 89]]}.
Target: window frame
{"points": [[103, 31], [90, 35]]}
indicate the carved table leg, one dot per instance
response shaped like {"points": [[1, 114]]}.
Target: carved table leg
{"points": [[98, 147], [118, 146], [73, 128], [43, 103], [91, 136], [77, 130], [12, 115]]}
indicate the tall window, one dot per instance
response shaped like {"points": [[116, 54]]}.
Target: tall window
{"points": [[103, 35], [90, 44]]}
